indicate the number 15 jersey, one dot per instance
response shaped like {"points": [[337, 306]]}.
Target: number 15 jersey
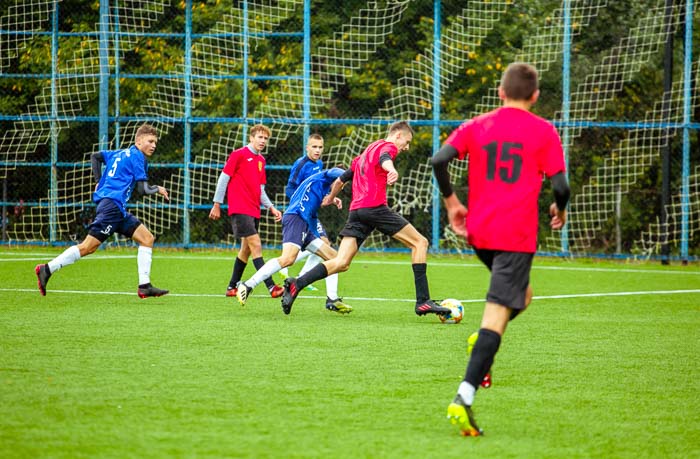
{"points": [[509, 151]]}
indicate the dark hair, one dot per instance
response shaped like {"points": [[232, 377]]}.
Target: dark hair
{"points": [[519, 81], [315, 137], [146, 129], [401, 126]]}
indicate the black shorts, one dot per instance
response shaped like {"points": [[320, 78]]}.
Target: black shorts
{"points": [[361, 222], [109, 220], [244, 225], [510, 276]]}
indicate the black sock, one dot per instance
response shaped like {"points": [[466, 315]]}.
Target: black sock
{"points": [[420, 278], [238, 268], [318, 272], [482, 356], [259, 263], [144, 285]]}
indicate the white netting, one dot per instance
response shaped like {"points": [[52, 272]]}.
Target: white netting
{"points": [[595, 203], [24, 16], [598, 80], [71, 94]]}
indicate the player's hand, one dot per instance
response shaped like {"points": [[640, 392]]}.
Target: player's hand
{"points": [[163, 192], [327, 201], [276, 213], [392, 177], [456, 215], [338, 203], [558, 216], [215, 212], [458, 220]]}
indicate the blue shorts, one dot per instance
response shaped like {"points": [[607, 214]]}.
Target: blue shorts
{"points": [[109, 220], [296, 231]]}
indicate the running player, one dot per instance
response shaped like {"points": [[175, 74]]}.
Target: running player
{"points": [[125, 169], [370, 173], [301, 230], [509, 151]]}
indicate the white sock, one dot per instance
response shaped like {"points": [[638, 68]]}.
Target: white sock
{"points": [[284, 272], [332, 286], [267, 270], [302, 255], [68, 257], [310, 263], [467, 391], [143, 260]]}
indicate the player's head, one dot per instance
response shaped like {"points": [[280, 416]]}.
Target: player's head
{"points": [[259, 135], [519, 83], [146, 139], [314, 147], [400, 134]]}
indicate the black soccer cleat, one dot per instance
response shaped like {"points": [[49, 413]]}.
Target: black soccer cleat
{"points": [[431, 307], [289, 295], [148, 290], [42, 276]]}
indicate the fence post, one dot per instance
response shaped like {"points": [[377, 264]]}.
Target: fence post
{"points": [[53, 185], [307, 70], [104, 75], [687, 75], [437, 42], [566, 104], [188, 125]]}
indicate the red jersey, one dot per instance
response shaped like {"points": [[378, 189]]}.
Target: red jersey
{"points": [[247, 172], [369, 179], [509, 150]]}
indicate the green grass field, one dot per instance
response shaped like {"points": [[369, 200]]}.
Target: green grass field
{"points": [[604, 364]]}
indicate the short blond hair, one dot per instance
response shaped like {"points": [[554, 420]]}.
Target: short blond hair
{"points": [[260, 128], [402, 126], [146, 129]]}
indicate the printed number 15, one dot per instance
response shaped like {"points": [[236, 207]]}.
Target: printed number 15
{"points": [[509, 173]]}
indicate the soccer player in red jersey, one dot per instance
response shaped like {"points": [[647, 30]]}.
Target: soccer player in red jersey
{"points": [[370, 173], [509, 151], [243, 183]]}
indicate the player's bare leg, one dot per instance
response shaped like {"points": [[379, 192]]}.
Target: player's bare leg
{"points": [[411, 238]]}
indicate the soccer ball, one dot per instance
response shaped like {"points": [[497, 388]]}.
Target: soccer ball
{"points": [[457, 313]]}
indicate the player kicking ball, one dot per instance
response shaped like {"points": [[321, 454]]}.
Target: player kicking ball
{"points": [[125, 169], [302, 231]]}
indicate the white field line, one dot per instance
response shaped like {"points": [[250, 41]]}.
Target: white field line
{"points": [[357, 298], [376, 262]]}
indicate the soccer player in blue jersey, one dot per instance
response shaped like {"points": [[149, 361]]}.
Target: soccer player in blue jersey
{"points": [[126, 169], [302, 231], [303, 168]]}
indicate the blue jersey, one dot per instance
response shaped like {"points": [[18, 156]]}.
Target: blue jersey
{"points": [[302, 169], [306, 200], [124, 169]]}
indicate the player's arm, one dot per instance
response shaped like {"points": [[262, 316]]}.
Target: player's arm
{"points": [[387, 164], [142, 187], [562, 192], [221, 186], [96, 162], [336, 187], [267, 203], [456, 212]]}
